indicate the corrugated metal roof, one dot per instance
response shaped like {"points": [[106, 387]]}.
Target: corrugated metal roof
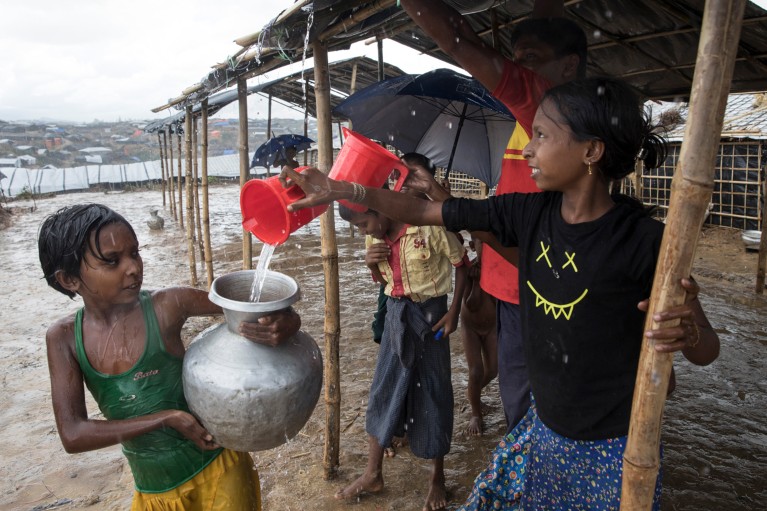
{"points": [[745, 116], [650, 43]]}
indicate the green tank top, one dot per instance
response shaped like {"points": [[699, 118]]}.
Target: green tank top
{"points": [[162, 459]]}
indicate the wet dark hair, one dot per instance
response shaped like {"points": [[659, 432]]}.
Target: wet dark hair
{"points": [[609, 110], [562, 35], [64, 238], [419, 159], [348, 213]]}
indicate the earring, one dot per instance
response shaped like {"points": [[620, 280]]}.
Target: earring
{"points": [[590, 173]]}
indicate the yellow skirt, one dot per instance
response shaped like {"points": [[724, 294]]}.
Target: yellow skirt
{"points": [[228, 483]]}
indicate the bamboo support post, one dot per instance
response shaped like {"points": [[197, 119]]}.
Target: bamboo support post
{"points": [[204, 186], [762, 244], [196, 189], [268, 130], [179, 186], [189, 197], [691, 192], [162, 168], [330, 266], [171, 190], [242, 95]]}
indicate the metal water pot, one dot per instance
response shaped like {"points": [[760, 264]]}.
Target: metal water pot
{"points": [[251, 397]]}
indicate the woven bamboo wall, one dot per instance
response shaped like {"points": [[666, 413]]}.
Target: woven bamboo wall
{"points": [[737, 199]]}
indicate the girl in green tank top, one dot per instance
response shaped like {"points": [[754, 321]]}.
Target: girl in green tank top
{"points": [[125, 346]]}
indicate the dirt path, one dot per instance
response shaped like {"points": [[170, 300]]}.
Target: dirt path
{"points": [[37, 474]]}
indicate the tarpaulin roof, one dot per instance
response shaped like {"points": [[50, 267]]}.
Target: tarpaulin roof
{"points": [[650, 43], [290, 90]]}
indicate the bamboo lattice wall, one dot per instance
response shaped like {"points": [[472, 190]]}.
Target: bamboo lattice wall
{"points": [[737, 198]]}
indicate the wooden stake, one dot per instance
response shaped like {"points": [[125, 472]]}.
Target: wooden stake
{"points": [[242, 95], [691, 192], [205, 204], [171, 192], [268, 129], [179, 184], [196, 188], [762, 243], [162, 168], [330, 266], [189, 196]]}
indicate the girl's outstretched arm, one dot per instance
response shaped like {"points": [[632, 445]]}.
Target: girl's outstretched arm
{"points": [[694, 336], [320, 189], [79, 433]]}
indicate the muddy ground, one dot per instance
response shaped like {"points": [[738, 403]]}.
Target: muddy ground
{"points": [[715, 432]]}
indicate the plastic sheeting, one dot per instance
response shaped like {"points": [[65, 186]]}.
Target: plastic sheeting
{"points": [[38, 181]]}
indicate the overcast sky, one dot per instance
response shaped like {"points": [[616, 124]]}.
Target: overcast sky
{"points": [[80, 60]]}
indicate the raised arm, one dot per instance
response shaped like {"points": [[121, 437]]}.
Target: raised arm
{"points": [[452, 33], [320, 189], [446, 27]]}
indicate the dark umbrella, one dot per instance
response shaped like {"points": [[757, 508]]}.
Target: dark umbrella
{"points": [[268, 152], [446, 116]]}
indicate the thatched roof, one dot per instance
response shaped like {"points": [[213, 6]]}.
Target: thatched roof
{"points": [[650, 43]]}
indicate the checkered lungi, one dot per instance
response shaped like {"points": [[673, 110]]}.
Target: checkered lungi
{"points": [[411, 390]]}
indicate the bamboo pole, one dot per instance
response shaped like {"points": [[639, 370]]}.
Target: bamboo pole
{"points": [[268, 129], [179, 186], [242, 95], [330, 266], [691, 192], [306, 133], [196, 188], [171, 191], [189, 196], [762, 244], [162, 168], [205, 204]]}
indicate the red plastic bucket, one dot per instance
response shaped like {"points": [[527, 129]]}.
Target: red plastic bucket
{"points": [[363, 161], [264, 206]]}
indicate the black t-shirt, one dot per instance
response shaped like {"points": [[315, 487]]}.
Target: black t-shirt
{"points": [[579, 286]]}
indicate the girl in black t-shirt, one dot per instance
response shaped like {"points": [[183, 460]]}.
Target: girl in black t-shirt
{"points": [[586, 266]]}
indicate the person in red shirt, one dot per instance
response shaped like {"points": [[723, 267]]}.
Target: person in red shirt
{"points": [[547, 50]]}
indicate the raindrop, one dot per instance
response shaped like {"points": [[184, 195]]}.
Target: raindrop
{"points": [[597, 34], [614, 120], [655, 378], [412, 112], [458, 39], [564, 358], [449, 125], [601, 90], [608, 14], [418, 384]]}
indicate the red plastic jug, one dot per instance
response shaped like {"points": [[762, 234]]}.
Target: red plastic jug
{"points": [[264, 206], [363, 161]]}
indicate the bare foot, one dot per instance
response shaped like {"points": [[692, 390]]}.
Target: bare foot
{"points": [[399, 441], [390, 452], [364, 484], [475, 426], [437, 497]]}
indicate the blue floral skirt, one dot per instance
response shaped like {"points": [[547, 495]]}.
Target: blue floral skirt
{"points": [[534, 468]]}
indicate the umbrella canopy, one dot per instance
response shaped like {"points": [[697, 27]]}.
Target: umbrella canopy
{"points": [[448, 117], [268, 152]]}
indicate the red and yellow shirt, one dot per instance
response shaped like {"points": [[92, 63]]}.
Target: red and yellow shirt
{"points": [[521, 91], [421, 262]]}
